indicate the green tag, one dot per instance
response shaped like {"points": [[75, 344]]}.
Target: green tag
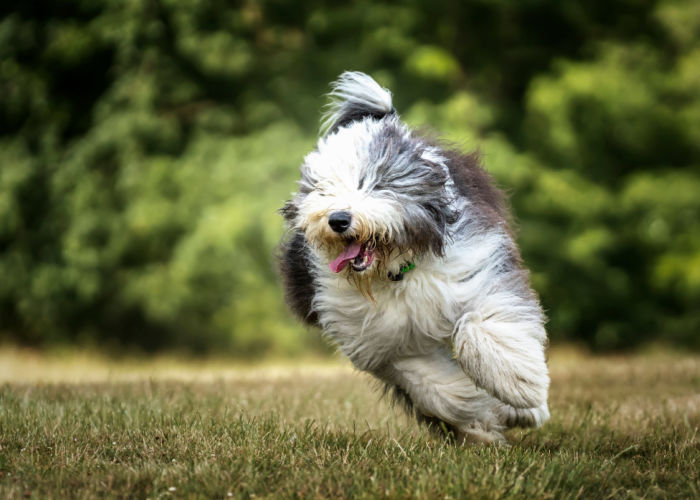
{"points": [[407, 267]]}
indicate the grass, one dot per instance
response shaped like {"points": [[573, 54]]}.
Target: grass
{"points": [[82, 427]]}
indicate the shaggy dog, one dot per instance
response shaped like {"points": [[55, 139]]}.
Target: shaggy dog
{"points": [[401, 251]]}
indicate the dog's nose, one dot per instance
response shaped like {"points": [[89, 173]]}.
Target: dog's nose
{"points": [[339, 221]]}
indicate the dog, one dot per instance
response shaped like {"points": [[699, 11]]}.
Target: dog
{"points": [[400, 249]]}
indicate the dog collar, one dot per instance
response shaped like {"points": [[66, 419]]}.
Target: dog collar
{"points": [[402, 270]]}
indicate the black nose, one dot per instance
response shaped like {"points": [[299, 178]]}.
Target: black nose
{"points": [[339, 221]]}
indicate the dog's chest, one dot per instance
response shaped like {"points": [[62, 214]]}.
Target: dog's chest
{"points": [[405, 318]]}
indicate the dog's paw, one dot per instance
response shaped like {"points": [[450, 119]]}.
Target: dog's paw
{"points": [[523, 417], [477, 434]]}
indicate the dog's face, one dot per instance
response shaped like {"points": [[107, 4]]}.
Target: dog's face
{"points": [[371, 198]]}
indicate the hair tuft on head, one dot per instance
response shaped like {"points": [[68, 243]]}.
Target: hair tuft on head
{"points": [[354, 96]]}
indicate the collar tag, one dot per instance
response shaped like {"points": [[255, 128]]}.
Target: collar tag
{"points": [[402, 270]]}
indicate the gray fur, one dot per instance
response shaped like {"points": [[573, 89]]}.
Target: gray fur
{"points": [[459, 340]]}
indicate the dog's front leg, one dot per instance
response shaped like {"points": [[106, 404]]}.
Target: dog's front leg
{"points": [[437, 389], [503, 352]]}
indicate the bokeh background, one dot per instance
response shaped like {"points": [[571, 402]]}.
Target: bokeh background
{"points": [[145, 146]]}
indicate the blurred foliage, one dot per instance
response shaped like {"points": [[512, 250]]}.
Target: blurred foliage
{"points": [[145, 145]]}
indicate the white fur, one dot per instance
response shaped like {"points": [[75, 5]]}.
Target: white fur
{"points": [[432, 310], [453, 334]]}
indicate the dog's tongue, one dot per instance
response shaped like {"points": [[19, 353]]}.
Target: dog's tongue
{"points": [[349, 253]]}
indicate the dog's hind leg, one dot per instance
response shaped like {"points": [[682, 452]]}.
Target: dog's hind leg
{"points": [[502, 350], [438, 391]]}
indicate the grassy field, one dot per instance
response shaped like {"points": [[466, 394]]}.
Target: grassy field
{"points": [[82, 427]]}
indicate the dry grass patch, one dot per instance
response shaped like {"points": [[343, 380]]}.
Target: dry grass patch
{"points": [[621, 427]]}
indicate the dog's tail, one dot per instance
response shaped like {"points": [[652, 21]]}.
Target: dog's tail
{"points": [[354, 96]]}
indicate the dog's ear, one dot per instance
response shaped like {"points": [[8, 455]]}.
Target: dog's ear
{"points": [[354, 96]]}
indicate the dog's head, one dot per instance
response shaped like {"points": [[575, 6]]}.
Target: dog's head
{"points": [[372, 196]]}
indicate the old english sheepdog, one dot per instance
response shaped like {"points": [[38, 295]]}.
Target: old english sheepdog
{"points": [[400, 250]]}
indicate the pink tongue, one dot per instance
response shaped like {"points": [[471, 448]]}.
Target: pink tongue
{"points": [[351, 251]]}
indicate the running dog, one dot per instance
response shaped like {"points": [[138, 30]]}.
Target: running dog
{"points": [[401, 251]]}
